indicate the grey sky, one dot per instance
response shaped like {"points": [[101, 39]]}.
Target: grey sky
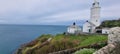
{"points": [[53, 12]]}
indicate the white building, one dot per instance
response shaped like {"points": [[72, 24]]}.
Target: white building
{"points": [[90, 25], [105, 30], [73, 29]]}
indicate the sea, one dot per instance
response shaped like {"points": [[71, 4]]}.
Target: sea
{"points": [[13, 36]]}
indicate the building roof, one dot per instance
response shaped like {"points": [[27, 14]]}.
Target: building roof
{"points": [[91, 23], [73, 26]]}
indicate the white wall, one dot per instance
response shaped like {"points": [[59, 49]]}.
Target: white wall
{"points": [[105, 31], [86, 27], [73, 30]]}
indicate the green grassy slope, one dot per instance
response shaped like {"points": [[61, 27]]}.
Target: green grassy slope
{"points": [[61, 42]]}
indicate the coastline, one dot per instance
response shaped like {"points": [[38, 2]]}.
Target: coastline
{"points": [[58, 35]]}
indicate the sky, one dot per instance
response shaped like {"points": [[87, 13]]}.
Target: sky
{"points": [[54, 12]]}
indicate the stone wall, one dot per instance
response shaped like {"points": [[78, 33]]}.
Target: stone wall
{"points": [[113, 46]]}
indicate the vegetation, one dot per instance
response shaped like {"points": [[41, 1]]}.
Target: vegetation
{"points": [[61, 42], [110, 23], [85, 51], [92, 39]]}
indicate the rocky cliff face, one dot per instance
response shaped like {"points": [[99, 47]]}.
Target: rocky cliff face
{"points": [[113, 46]]}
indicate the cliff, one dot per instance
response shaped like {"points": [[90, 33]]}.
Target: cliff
{"points": [[46, 44]]}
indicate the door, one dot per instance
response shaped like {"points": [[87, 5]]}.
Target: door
{"points": [[89, 30]]}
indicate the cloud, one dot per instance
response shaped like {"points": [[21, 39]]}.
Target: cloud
{"points": [[111, 11], [52, 11]]}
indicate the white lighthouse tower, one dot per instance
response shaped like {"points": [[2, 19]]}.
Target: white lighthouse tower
{"points": [[95, 13], [90, 25]]}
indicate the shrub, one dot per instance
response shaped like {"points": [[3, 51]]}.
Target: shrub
{"points": [[85, 51], [32, 43]]}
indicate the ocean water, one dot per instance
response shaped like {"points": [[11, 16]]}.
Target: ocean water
{"points": [[12, 36]]}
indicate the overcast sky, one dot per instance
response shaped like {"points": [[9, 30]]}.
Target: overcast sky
{"points": [[54, 12]]}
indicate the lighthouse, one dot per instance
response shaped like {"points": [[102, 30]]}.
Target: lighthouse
{"points": [[90, 25], [95, 13]]}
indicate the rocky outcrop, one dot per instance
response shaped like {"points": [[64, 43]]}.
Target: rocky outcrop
{"points": [[113, 46]]}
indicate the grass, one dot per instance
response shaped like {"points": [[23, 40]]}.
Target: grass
{"points": [[85, 51], [62, 42], [93, 39]]}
